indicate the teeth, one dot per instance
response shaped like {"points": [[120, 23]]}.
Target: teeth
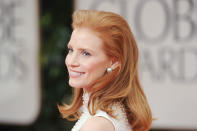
{"points": [[75, 74]]}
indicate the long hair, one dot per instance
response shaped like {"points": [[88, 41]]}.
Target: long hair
{"points": [[122, 84]]}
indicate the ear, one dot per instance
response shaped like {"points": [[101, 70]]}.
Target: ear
{"points": [[115, 65]]}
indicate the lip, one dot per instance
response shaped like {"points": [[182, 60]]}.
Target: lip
{"points": [[75, 74]]}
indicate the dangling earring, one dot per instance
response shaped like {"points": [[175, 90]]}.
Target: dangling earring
{"points": [[109, 70]]}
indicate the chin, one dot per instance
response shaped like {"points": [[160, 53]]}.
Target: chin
{"points": [[75, 85], [79, 84]]}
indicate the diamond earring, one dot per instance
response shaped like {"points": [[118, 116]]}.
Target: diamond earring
{"points": [[109, 70]]}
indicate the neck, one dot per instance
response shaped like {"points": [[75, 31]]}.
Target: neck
{"points": [[86, 90]]}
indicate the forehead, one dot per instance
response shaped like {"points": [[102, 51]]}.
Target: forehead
{"points": [[85, 38]]}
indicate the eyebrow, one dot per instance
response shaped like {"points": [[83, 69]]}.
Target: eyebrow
{"points": [[81, 48]]}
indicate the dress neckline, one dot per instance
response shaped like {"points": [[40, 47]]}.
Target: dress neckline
{"points": [[85, 98]]}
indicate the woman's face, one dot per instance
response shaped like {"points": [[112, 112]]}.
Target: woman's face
{"points": [[86, 60]]}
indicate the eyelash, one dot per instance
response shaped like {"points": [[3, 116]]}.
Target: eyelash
{"points": [[85, 53], [70, 50]]}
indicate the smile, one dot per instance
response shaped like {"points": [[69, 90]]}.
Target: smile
{"points": [[75, 73]]}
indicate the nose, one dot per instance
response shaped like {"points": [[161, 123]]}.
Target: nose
{"points": [[72, 60]]}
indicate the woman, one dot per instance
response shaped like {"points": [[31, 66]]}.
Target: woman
{"points": [[103, 70]]}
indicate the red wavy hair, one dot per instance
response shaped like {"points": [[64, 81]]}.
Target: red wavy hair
{"points": [[122, 84]]}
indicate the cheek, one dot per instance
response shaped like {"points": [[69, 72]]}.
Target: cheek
{"points": [[98, 67]]}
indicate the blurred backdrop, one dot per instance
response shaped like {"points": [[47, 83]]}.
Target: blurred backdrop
{"points": [[55, 30]]}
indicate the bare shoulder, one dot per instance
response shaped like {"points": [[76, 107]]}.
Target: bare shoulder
{"points": [[97, 124]]}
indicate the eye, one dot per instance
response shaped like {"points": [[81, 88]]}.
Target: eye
{"points": [[85, 53], [70, 50]]}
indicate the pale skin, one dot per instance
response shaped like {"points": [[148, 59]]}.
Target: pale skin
{"points": [[97, 124], [87, 62]]}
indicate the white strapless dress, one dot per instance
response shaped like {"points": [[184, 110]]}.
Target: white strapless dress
{"points": [[120, 123]]}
